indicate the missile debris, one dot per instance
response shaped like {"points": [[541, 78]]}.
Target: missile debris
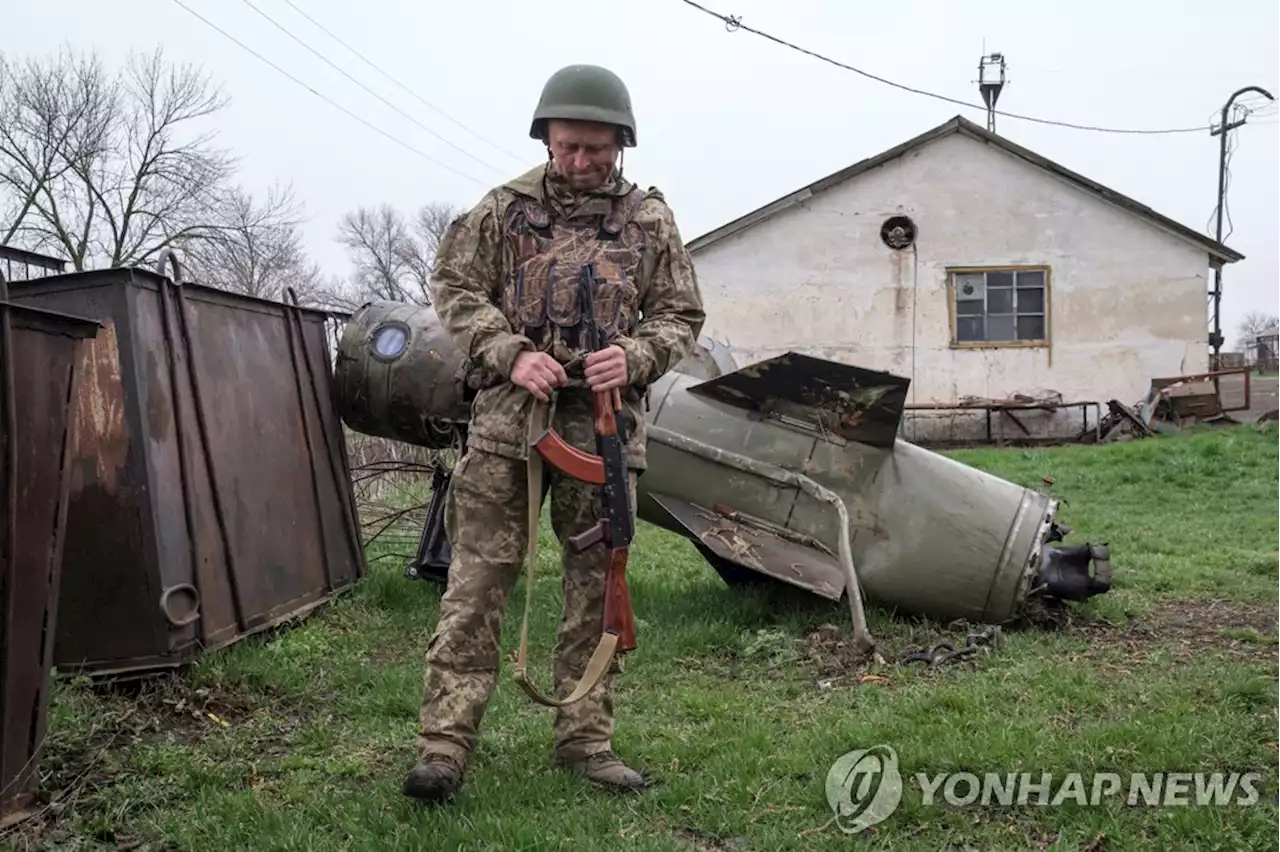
{"points": [[789, 469]]}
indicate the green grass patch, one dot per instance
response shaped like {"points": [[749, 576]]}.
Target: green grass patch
{"points": [[737, 701]]}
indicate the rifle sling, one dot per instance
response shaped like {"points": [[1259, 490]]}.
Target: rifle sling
{"points": [[603, 654]]}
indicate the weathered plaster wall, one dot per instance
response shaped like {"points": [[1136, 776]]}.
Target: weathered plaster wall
{"points": [[1127, 301]]}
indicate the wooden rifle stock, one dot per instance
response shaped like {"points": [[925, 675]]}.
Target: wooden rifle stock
{"points": [[619, 617]]}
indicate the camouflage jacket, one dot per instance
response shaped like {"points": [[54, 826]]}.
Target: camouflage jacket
{"points": [[484, 289]]}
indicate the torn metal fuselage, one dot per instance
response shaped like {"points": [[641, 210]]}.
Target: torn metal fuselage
{"points": [[771, 470], [929, 535]]}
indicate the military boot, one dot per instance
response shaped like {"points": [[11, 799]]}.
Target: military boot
{"points": [[435, 778], [606, 770]]}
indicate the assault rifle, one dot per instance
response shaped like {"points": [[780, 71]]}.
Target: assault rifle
{"points": [[614, 531], [608, 470]]}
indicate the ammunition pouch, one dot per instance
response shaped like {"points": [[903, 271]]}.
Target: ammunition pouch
{"points": [[541, 298]]}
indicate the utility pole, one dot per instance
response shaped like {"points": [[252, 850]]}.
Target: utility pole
{"points": [[1226, 126], [990, 85]]}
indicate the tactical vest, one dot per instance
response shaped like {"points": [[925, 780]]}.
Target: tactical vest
{"points": [[542, 297]]}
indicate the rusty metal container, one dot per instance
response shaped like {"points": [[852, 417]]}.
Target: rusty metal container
{"points": [[212, 494], [38, 375]]}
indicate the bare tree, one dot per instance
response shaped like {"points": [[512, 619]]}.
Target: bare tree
{"points": [[51, 116], [432, 221], [377, 241], [109, 170], [257, 249], [1253, 324], [392, 257]]}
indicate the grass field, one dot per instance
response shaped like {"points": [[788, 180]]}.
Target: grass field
{"points": [[738, 703]]}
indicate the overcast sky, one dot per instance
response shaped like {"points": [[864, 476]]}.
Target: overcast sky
{"points": [[727, 121]]}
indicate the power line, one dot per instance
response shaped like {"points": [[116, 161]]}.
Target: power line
{"points": [[1233, 142], [331, 64], [424, 102], [403, 144], [1225, 149], [733, 23]]}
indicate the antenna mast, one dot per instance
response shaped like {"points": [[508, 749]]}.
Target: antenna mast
{"points": [[991, 80]]}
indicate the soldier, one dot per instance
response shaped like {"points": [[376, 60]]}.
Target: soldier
{"points": [[504, 285]]}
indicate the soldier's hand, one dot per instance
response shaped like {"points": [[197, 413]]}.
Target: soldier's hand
{"points": [[606, 369], [538, 373]]}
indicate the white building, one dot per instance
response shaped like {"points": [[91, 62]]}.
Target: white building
{"points": [[974, 267]]}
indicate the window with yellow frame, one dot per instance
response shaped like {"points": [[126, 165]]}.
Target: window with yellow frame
{"points": [[999, 306]]}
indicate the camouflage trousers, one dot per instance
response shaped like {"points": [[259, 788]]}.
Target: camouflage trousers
{"points": [[486, 514]]}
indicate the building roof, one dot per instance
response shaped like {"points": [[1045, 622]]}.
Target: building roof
{"points": [[960, 125], [1274, 331]]}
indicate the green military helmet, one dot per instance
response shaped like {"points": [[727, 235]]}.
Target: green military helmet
{"points": [[585, 93]]}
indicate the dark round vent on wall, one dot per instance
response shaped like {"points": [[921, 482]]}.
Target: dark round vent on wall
{"points": [[898, 232]]}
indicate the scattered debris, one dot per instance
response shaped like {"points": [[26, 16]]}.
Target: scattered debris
{"points": [[839, 663], [923, 428], [1170, 405], [945, 652], [1047, 398]]}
